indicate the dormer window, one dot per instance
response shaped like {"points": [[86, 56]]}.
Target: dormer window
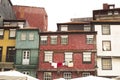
{"points": [[116, 12], [87, 28], [64, 27], [110, 13]]}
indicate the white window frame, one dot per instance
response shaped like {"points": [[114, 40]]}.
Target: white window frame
{"points": [[90, 39], [105, 29], [47, 76], [110, 13], [87, 57], [87, 28], [12, 33], [106, 45], [23, 36], [21, 24], [64, 39], [67, 75], [53, 39], [26, 57], [31, 36], [1, 32], [64, 27], [106, 63], [116, 12], [84, 74], [43, 40], [48, 56], [68, 56]]}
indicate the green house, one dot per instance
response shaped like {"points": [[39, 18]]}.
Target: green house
{"points": [[27, 50]]}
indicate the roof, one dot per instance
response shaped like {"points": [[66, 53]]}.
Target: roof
{"points": [[35, 16], [69, 23], [69, 32], [107, 9], [105, 21]]}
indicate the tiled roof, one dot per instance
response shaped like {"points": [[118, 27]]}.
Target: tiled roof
{"points": [[35, 16]]}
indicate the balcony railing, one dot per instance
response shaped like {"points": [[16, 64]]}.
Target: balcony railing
{"points": [[6, 65]]}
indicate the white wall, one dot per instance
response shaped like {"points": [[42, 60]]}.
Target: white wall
{"points": [[114, 37], [115, 68]]}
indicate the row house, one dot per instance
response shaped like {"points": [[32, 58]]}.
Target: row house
{"points": [[107, 24], [69, 53], [35, 16], [27, 49], [7, 43]]}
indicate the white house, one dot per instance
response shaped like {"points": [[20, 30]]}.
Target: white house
{"points": [[108, 47]]}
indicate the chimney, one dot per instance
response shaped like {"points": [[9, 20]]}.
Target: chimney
{"points": [[105, 6]]}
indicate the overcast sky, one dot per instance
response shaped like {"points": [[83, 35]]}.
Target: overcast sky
{"points": [[63, 10]]}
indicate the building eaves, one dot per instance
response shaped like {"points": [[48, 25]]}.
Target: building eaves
{"points": [[70, 32]]}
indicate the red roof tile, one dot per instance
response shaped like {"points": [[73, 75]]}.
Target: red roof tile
{"points": [[35, 16]]}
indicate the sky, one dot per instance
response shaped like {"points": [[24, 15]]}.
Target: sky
{"points": [[61, 11]]}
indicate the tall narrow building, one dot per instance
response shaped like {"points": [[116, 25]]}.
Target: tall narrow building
{"points": [[107, 24]]}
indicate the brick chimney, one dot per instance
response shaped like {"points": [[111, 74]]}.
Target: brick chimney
{"points": [[108, 6], [105, 6]]}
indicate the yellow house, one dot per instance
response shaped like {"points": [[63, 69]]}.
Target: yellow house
{"points": [[7, 47]]}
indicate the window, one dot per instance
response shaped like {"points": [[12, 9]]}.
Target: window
{"points": [[67, 75], [12, 33], [64, 39], [64, 27], [68, 56], [106, 45], [53, 39], [21, 24], [106, 29], [0, 54], [106, 63], [1, 33], [87, 28], [48, 56], [116, 12], [10, 54], [23, 36], [86, 56], [13, 24], [43, 40], [84, 74], [47, 76], [31, 36], [90, 39], [110, 13], [26, 72], [26, 57]]}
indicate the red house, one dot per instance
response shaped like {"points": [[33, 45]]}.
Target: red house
{"points": [[35, 16], [69, 53]]}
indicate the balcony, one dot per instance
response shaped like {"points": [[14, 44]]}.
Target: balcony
{"points": [[8, 65]]}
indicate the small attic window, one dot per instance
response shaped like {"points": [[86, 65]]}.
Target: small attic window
{"points": [[64, 27], [110, 13], [116, 12]]}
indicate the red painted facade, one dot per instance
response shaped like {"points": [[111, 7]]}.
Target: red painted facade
{"points": [[77, 45], [35, 16]]}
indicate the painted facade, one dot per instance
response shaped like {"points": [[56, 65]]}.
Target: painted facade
{"points": [[27, 48], [106, 23], [62, 53], [7, 47]]}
